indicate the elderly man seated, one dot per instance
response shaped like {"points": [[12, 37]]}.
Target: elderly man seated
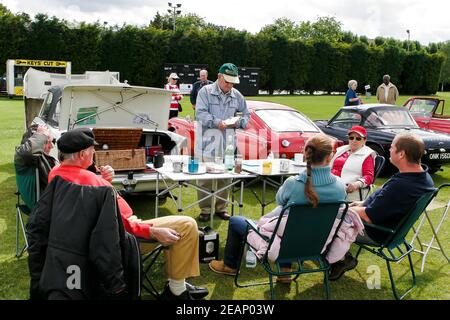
{"points": [[180, 233], [33, 152]]}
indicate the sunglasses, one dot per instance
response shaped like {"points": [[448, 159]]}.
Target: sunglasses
{"points": [[355, 138]]}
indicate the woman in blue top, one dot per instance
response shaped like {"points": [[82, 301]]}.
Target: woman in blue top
{"points": [[316, 184], [351, 98]]}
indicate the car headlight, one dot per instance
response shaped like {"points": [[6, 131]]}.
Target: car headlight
{"points": [[285, 143]]}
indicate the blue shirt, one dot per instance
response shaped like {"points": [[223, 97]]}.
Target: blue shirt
{"points": [[389, 204], [212, 107], [351, 95], [329, 188]]}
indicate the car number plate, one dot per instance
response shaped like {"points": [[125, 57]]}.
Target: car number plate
{"points": [[440, 156]]}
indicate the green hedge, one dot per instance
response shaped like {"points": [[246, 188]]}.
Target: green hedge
{"points": [[139, 54]]}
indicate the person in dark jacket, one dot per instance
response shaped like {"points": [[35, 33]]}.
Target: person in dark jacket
{"points": [[198, 85], [76, 240], [180, 233]]}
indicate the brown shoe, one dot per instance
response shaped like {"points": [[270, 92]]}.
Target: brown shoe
{"points": [[218, 266], [285, 279], [223, 215]]}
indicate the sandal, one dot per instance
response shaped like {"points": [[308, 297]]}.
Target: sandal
{"points": [[204, 217]]}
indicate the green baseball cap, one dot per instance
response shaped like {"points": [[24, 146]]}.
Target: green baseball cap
{"points": [[230, 72]]}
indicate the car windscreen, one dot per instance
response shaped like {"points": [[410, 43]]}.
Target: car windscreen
{"points": [[422, 107], [51, 109], [286, 121], [389, 117]]}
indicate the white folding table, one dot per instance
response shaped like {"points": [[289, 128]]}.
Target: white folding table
{"points": [[174, 181], [255, 168]]}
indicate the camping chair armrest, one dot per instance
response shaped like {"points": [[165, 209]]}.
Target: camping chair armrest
{"points": [[252, 225], [375, 226], [150, 241], [145, 240]]}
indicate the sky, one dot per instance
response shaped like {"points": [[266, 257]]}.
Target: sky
{"points": [[427, 20]]}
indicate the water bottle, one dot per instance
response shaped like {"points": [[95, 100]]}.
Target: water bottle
{"points": [[250, 259], [229, 154]]}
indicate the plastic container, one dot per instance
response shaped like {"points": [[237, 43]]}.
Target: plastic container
{"points": [[250, 259]]}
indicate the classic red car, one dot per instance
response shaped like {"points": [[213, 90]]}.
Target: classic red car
{"points": [[272, 128], [429, 113]]}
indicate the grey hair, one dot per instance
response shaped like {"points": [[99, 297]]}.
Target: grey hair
{"points": [[204, 71], [351, 82], [387, 76], [67, 156]]}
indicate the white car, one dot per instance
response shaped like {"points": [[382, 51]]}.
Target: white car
{"points": [[113, 106]]}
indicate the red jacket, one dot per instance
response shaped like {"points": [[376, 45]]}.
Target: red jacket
{"points": [[84, 177], [175, 96]]}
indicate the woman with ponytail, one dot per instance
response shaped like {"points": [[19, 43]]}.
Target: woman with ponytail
{"points": [[312, 186]]}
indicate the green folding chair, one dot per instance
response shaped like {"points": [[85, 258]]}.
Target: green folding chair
{"points": [[395, 239], [306, 232], [148, 260], [28, 189]]}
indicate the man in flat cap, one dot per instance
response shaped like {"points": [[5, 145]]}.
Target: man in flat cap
{"points": [[180, 233], [216, 103]]}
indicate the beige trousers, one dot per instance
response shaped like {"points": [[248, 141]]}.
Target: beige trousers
{"points": [[221, 205], [181, 258]]}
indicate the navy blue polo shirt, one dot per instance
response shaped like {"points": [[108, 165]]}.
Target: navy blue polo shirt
{"points": [[388, 205], [350, 95]]}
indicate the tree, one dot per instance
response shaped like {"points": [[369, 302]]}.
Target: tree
{"points": [[445, 72], [47, 39], [13, 36], [183, 22], [281, 28], [324, 29]]}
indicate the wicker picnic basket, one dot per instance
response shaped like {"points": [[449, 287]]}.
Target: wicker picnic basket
{"points": [[122, 151]]}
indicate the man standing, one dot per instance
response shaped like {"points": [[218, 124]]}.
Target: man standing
{"points": [[387, 92], [180, 233], [198, 85], [216, 103], [388, 205]]}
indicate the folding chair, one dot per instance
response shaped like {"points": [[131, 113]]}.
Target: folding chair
{"points": [[148, 260], [306, 232], [24, 179], [395, 238], [379, 164], [429, 245]]}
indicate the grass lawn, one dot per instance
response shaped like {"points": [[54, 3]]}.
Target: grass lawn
{"points": [[433, 283]]}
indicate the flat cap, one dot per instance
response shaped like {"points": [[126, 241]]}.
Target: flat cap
{"points": [[76, 140]]}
